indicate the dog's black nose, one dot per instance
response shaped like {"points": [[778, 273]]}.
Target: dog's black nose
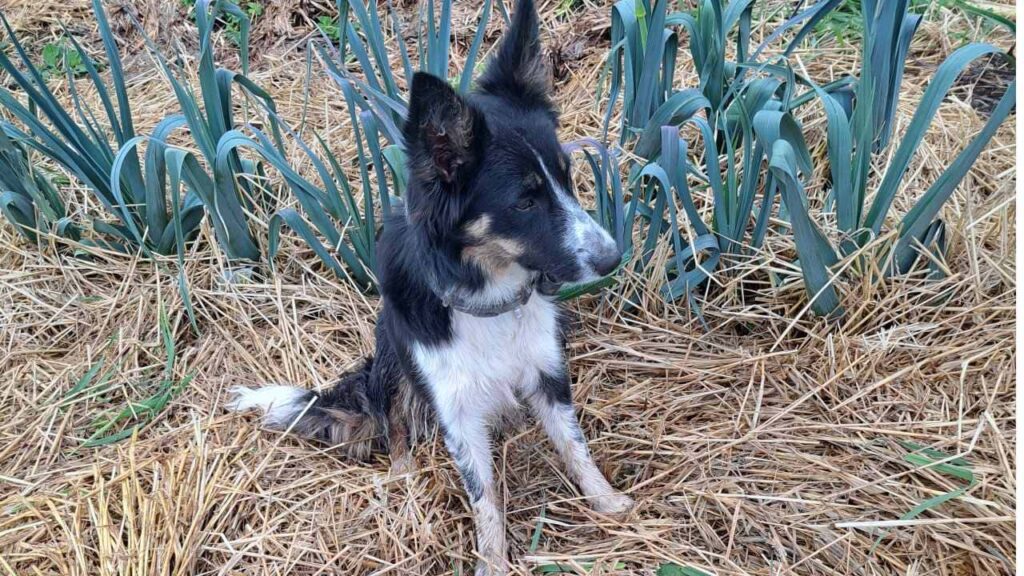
{"points": [[605, 260]]}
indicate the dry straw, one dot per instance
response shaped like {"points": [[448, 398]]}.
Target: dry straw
{"points": [[772, 443]]}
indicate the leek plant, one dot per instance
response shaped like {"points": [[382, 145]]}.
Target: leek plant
{"points": [[332, 208], [233, 186], [77, 140], [743, 112], [350, 231], [105, 154], [856, 136], [28, 199], [160, 196], [641, 68], [642, 62], [847, 25]]}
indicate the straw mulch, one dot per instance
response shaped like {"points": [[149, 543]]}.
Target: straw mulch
{"points": [[771, 443]]}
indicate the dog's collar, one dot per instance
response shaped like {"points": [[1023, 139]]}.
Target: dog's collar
{"points": [[453, 298]]}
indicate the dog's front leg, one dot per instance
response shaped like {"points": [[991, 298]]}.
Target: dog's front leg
{"points": [[468, 440], [552, 404]]}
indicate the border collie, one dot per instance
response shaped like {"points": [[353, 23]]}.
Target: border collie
{"points": [[469, 329]]}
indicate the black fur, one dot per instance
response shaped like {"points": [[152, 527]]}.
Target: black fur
{"points": [[518, 73], [341, 415], [556, 388]]}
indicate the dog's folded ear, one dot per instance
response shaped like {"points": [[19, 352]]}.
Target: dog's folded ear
{"points": [[443, 131], [518, 70]]}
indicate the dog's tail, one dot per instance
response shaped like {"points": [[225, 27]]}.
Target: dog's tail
{"points": [[340, 416]]}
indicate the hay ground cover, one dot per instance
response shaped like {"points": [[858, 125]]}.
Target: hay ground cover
{"points": [[770, 442]]}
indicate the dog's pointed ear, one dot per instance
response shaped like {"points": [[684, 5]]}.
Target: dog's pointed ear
{"points": [[443, 131], [518, 69]]}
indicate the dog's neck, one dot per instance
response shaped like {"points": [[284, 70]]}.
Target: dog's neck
{"points": [[507, 293]]}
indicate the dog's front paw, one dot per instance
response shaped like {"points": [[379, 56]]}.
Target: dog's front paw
{"points": [[613, 504]]}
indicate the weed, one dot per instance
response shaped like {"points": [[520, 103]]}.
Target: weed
{"points": [[329, 27], [59, 59]]}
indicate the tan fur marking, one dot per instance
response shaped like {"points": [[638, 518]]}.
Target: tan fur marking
{"points": [[493, 254], [398, 440], [354, 433], [478, 228]]}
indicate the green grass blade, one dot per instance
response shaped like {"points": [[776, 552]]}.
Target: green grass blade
{"points": [[83, 382], [929, 459], [670, 569], [991, 15]]}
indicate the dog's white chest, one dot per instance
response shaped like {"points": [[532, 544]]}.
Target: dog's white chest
{"points": [[489, 360]]}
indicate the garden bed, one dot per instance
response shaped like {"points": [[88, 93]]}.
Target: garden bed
{"points": [[770, 441]]}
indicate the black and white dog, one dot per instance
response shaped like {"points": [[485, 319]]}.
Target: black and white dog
{"points": [[469, 330]]}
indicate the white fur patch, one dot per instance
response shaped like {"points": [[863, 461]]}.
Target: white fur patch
{"points": [[474, 379], [279, 404], [584, 237], [488, 360]]}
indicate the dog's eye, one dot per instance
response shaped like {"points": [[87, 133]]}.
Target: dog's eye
{"points": [[525, 204]]}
